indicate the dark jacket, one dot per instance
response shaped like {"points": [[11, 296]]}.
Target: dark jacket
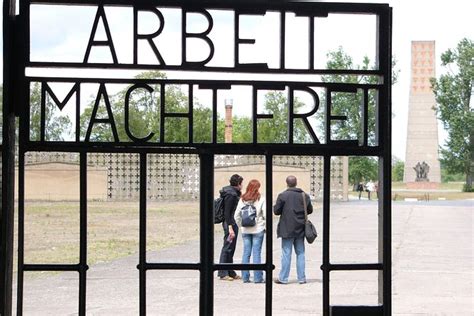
{"points": [[231, 198], [289, 205]]}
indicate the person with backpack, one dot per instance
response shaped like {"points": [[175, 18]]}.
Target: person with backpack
{"points": [[250, 216], [230, 198], [291, 228]]}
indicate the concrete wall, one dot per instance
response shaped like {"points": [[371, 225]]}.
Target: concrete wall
{"points": [[60, 181]]}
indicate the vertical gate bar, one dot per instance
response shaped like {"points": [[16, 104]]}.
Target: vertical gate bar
{"points": [[83, 233], [383, 118], [214, 116], [384, 126], [142, 259], [206, 193], [21, 231], [254, 115], [326, 232], [282, 38], [269, 244], [311, 41], [191, 113], [8, 163]]}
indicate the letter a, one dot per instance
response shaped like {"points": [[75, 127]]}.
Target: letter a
{"points": [[108, 42], [110, 117]]}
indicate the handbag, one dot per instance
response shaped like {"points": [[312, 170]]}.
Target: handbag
{"points": [[309, 230]]}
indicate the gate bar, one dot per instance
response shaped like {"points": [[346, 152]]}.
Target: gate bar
{"points": [[83, 233], [21, 232], [8, 162], [142, 266], [384, 128], [326, 225], [53, 267], [269, 235], [206, 197]]}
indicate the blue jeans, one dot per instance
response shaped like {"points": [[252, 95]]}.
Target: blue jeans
{"points": [[286, 246], [252, 247]]}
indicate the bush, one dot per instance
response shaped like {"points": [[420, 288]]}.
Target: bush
{"points": [[467, 188]]}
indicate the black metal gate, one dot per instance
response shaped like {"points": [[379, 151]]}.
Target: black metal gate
{"points": [[17, 83]]}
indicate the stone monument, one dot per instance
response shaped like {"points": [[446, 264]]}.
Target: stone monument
{"points": [[422, 132]]}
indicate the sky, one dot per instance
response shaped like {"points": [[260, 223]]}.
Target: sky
{"points": [[444, 22]]}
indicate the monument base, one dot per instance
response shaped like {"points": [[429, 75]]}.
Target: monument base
{"points": [[423, 185]]}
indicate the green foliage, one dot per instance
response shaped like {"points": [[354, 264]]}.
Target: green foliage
{"points": [[398, 167], [451, 177], [362, 169], [276, 130], [56, 126], [453, 92], [144, 115], [348, 104], [145, 118]]}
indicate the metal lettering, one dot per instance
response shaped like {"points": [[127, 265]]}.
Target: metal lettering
{"points": [[148, 37], [127, 113], [94, 120], [100, 14]]}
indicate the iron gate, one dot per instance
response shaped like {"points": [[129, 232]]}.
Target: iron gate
{"points": [[17, 84]]}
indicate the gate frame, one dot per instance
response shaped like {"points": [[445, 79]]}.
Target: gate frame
{"points": [[16, 50]]}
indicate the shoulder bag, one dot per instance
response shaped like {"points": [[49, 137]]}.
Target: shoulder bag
{"points": [[309, 230]]}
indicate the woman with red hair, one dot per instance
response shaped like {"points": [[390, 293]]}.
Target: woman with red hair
{"points": [[250, 215]]}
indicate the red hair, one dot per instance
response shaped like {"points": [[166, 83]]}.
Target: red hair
{"points": [[251, 193]]}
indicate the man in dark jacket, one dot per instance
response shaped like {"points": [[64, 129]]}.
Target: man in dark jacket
{"points": [[290, 207], [231, 196]]}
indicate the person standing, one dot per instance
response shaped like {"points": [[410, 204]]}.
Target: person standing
{"points": [[289, 206], [370, 187], [360, 189], [231, 196], [253, 230]]}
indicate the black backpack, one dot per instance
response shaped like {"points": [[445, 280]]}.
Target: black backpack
{"points": [[249, 213], [218, 210]]}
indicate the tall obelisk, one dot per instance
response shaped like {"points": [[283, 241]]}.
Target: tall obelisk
{"points": [[422, 167]]}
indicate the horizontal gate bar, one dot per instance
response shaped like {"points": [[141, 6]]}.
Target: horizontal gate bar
{"points": [[333, 7], [206, 83], [197, 266], [217, 149], [240, 266], [54, 267], [355, 266], [337, 310], [248, 69], [171, 266]]}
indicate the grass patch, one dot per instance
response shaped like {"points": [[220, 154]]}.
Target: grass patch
{"points": [[442, 186], [52, 229], [431, 196]]}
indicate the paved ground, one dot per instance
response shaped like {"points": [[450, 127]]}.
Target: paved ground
{"points": [[433, 268]]}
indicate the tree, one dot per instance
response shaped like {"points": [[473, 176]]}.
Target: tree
{"points": [[56, 126], [275, 130], [144, 115], [453, 92], [362, 169], [347, 104], [398, 168]]}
